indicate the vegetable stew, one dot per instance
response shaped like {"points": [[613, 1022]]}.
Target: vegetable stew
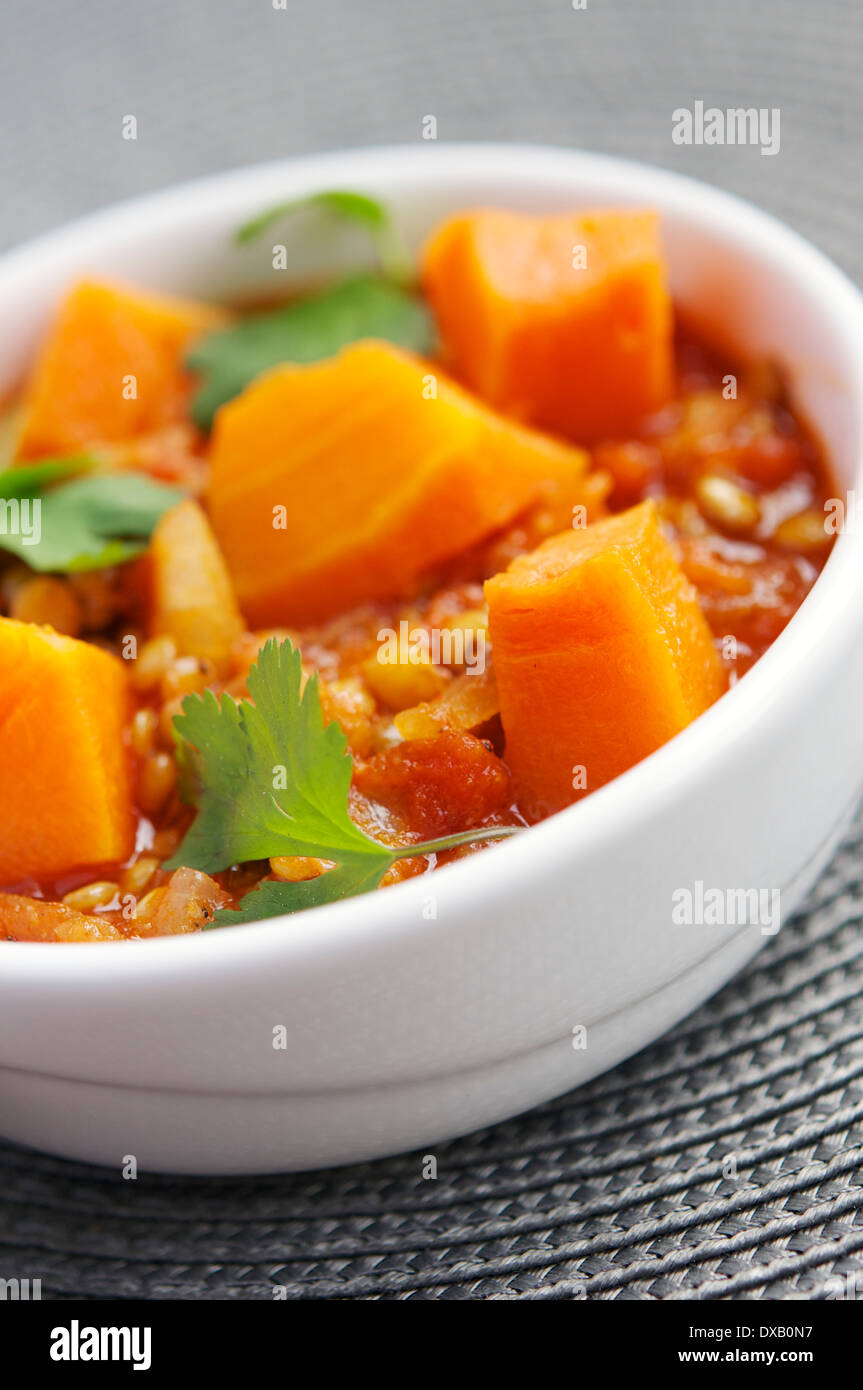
{"points": [[300, 600]]}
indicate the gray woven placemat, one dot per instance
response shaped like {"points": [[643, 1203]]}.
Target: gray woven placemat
{"points": [[727, 1160]]}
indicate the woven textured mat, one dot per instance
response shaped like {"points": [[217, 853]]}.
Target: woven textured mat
{"points": [[726, 1160]]}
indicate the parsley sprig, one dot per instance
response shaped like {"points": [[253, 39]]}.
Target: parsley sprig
{"points": [[347, 206], [87, 520], [318, 325], [269, 778], [321, 323]]}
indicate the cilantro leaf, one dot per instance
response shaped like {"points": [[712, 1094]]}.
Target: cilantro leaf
{"points": [[375, 217], [268, 778], [89, 523], [272, 780], [274, 899], [27, 479], [305, 331]]}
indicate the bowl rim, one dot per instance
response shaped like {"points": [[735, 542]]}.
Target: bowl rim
{"points": [[475, 884]]}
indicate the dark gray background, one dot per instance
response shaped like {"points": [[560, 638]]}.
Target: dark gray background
{"points": [[618, 1190]]}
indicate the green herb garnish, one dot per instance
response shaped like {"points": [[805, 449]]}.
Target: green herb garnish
{"points": [[267, 778], [84, 524], [28, 479], [304, 331], [373, 216]]}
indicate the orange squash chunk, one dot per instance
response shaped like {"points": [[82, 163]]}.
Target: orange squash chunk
{"points": [[110, 369], [65, 793], [345, 480], [562, 320], [601, 654], [193, 598]]}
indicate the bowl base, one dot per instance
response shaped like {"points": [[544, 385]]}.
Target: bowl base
{"points": [[214, 1133]]}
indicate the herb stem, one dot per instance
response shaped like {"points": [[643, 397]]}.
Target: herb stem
{"points": [[464, 837]]}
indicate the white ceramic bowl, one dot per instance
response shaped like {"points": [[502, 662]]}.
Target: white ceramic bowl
{"points": [[404, 1029]]}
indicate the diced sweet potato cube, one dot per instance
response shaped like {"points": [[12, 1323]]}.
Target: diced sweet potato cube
{"points": [[193, 598], [561, 320], [65, 789], [110, 369], [345, 480], [601, 654]]}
